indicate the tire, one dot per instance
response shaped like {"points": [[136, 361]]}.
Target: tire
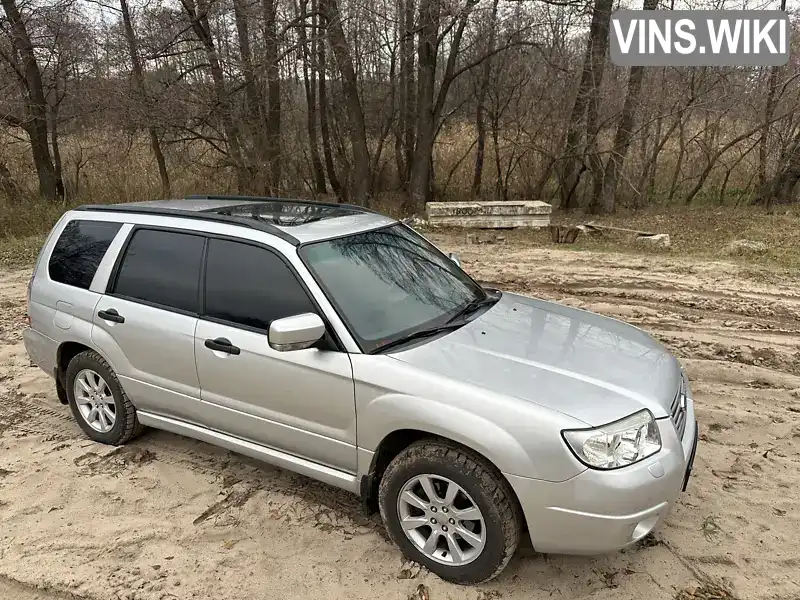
{"points": [[482, 486], [125, 424]]}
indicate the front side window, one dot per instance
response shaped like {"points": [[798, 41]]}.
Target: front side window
{"points": [[389, 282], [250, 286], [162, 268], [79, 250]]}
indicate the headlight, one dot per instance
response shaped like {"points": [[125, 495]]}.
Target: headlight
{"points": [[617, 444]]}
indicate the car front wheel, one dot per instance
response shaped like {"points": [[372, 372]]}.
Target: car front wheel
{"points": [[451, 511]]}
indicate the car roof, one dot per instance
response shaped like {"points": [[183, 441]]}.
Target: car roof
{"points": [[295, 221]]}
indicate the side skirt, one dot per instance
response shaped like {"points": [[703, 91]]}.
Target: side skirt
{"points": [[334, 477]]}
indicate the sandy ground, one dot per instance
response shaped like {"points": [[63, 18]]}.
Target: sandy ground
{"points": [[167, 517]]}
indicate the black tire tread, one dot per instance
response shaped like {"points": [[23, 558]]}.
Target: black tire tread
{"points": [[489, 478], [131, 427]]}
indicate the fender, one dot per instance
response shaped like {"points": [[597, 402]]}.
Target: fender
{"points": [[392, 412]]}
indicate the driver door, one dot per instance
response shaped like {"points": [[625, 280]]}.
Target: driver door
{"points": [[301, 402]]}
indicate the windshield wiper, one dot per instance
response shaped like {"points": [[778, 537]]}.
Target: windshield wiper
{"points": [[422, 333], [476, 304]]}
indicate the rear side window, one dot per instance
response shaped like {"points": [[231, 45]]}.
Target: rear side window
{"points": [[162, 268], [79, 250], [250, 286]]}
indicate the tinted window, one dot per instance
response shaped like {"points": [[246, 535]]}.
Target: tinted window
{"points": [[251, 286], [162, 267], [79, 250]]}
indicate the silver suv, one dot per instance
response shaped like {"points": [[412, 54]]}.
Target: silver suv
{"points": [[340, 344]]}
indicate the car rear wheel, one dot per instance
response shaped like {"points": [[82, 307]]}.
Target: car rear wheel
{"points": [[98, 402], [450, 510]]}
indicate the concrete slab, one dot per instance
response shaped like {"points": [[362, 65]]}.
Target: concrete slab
{"points": [[489, 215]]}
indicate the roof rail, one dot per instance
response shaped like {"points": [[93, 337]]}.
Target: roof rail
{"points": [[198, 215], [353, 207]]}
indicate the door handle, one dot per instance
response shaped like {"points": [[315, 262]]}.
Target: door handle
{"points": [[111, 315], [222, 345]]}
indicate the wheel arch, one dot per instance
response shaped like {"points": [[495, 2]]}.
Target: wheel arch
{"points": [[64, 355], [396, 442]]}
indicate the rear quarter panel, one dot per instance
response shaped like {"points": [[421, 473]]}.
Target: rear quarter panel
{"points": [[62, 313]]}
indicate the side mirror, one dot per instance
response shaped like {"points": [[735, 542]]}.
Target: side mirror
{"points": [[454, 258], [295, 333]]}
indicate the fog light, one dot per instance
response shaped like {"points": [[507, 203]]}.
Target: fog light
{"points": [[644, 527]]}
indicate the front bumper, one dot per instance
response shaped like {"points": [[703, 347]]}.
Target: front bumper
{"points": [[604, 511]]}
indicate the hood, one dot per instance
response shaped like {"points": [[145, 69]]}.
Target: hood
{"points": [[590, 367]]}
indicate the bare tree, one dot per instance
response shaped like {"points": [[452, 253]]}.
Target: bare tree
{"points": [[362, 177], [444, 99], [22, 59], [324, 111], [430, 100], [273, 131], [138, 78], [198, 17], [606, 188], [584, 120], [483, 90], [310, 83]]}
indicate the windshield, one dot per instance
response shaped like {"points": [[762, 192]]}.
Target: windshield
{"points": [[388, 283]]}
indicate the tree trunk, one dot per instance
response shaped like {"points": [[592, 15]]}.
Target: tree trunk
{"points": [[57, 165], [588, 93], [405, 142], [599, 51], [310, 82], [402, 84], [8, 186], [604, 201], [35, 104], [769, 111], [52, 126], [253, 116], [480, 150], [674, 183], [429, 14], [541, 183], [498, 161], [355, 113], [430, 104], [273, 129], [480, 124], [793, 164], [648, 178], [199, 19], [138, 77], [784, 181], [324, 127]]}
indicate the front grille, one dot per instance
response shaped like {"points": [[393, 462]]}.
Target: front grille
{"points": [[678, 409]]}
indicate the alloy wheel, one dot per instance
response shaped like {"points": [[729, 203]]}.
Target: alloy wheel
{"points": [[95, 401], [441, 519]]}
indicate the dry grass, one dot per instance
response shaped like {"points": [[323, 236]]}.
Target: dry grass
{"points": [[115, 168], [703, 232], [19, 252]]}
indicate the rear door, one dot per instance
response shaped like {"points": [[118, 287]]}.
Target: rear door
{"points": [[146, 321], [301, 402]]}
